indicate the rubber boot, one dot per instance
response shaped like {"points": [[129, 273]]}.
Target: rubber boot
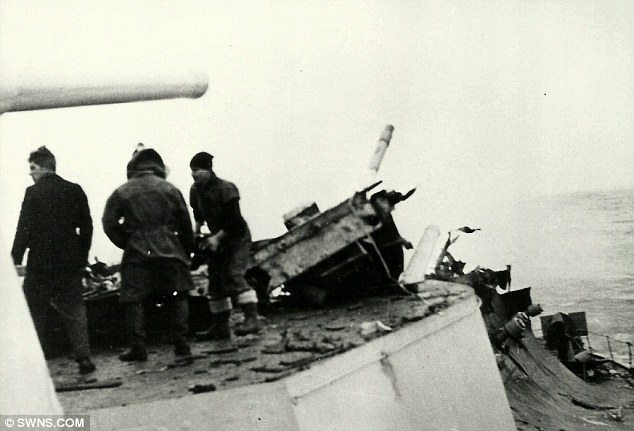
{"points": [[251, 324], [219, 329]]}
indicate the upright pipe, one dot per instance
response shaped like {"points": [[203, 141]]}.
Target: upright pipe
{"points": [[59, 92], [381, 147]]}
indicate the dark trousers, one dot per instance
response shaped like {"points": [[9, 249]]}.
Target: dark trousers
{"points": [[135, 319], [63, 293], [227, 269]]}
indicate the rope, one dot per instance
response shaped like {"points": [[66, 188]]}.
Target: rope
{"points": [[370, 240]]}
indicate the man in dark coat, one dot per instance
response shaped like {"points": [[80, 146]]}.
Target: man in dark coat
{"points": [[216, 202], [147, 217], [55, 225]]}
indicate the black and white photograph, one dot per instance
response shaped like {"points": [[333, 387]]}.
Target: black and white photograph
{"points": [[317, 215]]}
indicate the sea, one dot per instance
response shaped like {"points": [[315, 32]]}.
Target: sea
{"points": [[586, 261], [576, 252]]}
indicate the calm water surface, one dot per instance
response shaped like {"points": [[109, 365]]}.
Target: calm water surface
{"points": [[577, 253]]}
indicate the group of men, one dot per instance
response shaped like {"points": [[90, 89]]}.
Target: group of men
{"points": [[148, 218]]}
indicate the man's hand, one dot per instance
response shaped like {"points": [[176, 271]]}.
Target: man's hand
{"points": [[21, 270], [211, 244]]}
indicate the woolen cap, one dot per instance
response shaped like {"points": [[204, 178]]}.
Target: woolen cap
{"points": [[202, 160]]}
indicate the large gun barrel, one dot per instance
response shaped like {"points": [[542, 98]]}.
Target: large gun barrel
{"points": [[59, 92]]}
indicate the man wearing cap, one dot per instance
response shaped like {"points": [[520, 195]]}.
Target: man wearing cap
{"points": [[147, 217], [55, 225], [216, 202]]}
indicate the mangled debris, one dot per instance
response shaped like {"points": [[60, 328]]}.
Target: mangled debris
{"points": [[353, 243]]}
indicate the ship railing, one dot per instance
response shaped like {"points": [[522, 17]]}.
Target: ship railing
{"points": [[609, 341]]}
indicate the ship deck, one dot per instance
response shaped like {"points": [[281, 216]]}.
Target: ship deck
{"points": [[292, 339]]}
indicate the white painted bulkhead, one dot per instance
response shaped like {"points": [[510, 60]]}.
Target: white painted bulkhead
{"points": [[435, 374]]}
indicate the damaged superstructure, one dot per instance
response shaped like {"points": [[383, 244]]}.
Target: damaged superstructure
{"points": [[351, 243]]}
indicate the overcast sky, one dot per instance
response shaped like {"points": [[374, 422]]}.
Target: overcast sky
{"points": [[491, 101]]}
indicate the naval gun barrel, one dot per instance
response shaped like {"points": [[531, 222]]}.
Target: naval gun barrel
{"points": [[22, 94]]}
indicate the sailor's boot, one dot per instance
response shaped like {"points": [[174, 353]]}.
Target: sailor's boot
{"points": [[251, 324], [180, 326], [86, 366], [135, 316], [219, 329]]}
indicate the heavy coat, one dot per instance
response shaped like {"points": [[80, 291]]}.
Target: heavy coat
{"points": [[147, 217], [55, 225]]}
